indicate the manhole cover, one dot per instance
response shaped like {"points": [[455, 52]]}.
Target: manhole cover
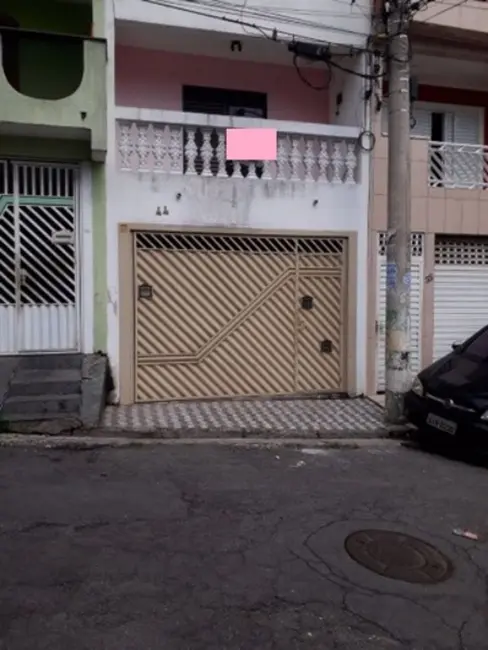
{"points": [[397, 556]]}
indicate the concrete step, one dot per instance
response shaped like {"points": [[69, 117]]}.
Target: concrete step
{"points": [[45, 382], [40, 406], [51, 362]]}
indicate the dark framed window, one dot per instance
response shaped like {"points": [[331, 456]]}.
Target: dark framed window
{"points": [[220, 101], [10, 49]]}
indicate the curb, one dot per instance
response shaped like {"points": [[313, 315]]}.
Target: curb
{"points": [[214, 433], [82, 443]]}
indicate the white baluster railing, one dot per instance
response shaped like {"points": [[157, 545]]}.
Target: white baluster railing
{"points": [[194, 145], [453, 165]]}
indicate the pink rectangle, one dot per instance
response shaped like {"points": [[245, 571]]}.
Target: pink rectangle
{"points": [[251, 144]]}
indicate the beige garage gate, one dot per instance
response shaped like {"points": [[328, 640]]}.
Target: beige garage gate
{"points": [[235, 315]]}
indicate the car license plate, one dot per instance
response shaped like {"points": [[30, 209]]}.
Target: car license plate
{"points": [[446, 426]]}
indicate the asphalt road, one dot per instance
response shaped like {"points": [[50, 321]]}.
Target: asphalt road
{"points": [[199, 548]]}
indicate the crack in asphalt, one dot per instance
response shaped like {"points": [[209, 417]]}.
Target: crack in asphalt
{"points": [[194, 503], [346, 583], [237, 559]]}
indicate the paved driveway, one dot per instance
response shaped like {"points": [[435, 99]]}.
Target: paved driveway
{"points": [[199, 548], [358, 417]]}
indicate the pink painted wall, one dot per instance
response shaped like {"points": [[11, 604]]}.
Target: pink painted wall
{"points": [[154, 79]]}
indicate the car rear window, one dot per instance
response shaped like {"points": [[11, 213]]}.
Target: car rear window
{"points": [[477, 346]]}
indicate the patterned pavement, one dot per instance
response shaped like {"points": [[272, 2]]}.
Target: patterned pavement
{"points": [[310, 418]]}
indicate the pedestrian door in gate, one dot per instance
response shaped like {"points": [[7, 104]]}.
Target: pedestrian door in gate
{"points": [[38, 260]]}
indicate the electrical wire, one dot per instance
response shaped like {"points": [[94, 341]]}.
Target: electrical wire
{"points": [[372, 140], [241, 15], [284, 12], [328, 61], [171, 5], [220, 4], [443, 11], [306, 81], [362, 75], [273, 36], [286, 7], [273, 32]]}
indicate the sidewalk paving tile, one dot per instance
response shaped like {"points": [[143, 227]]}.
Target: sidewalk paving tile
{"points": [[312, 417]]}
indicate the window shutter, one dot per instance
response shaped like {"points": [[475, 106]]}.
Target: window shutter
{"points": [[467, 163], [423, 123], [466, 127]]}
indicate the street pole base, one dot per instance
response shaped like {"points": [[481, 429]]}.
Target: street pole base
{"points": [[394, 407]]}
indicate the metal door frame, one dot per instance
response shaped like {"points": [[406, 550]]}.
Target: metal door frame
{"points": [[16, 163], [126, 313]]}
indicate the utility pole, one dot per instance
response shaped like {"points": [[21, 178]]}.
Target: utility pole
{"points": [[398, 273]]}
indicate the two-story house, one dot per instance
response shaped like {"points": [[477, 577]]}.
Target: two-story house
{"points": [[449, 219], [229, 279], [53, 142], [53, 145]]}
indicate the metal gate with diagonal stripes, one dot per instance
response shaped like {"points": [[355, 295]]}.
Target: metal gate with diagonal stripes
{"points": [[38, 261], [238, 315]]}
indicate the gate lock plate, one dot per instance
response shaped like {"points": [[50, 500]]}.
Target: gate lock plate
{"points": [[63, 237], [306, 303], [326, 346], [145, 292]]}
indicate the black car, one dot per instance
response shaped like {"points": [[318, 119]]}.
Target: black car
{"points": [[450, 397]]}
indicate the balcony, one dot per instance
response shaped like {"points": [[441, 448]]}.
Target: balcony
{"points": [[458, 166], [193, 144], [54, 86], [172, 165], [448, 187]]}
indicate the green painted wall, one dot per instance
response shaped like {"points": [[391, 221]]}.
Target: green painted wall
{"points": [[99, 199], [98, 18], [39, 56], [82, 114], [38, 61]]}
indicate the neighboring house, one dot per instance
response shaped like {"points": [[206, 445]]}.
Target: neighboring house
{"points": [[53, 141], [235, 279], [448, 183]]}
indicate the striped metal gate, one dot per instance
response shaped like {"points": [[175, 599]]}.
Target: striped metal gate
{"points": [[238, 315], [38, 259]]}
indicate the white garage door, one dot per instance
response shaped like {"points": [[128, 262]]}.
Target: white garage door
{"points": [[415, 309], [460, 290]]}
